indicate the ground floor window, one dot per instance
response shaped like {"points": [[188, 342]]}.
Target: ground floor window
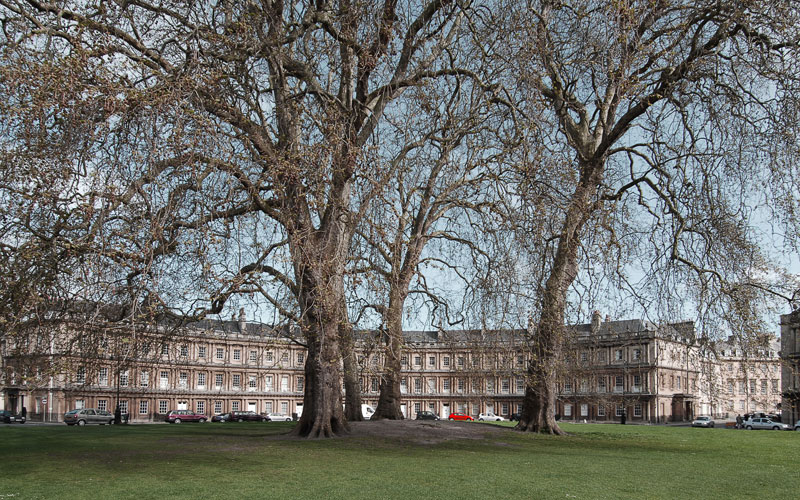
{"points": [[162, 406], [584, 410], [102, 404], [619, 410], [285, 407], [637, 411], [201, 407], [217, 407], [143, 407], [234, 406], [123, 406], [79, 404], [504, 408], [417, 408], [601, 411], [268, 407], [567, 410]]}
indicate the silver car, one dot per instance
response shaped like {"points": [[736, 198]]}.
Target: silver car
{"points": [[765, 423], [85, 416]]}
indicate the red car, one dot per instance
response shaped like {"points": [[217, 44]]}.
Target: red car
{"points": [[178, 416], [459, 416]]}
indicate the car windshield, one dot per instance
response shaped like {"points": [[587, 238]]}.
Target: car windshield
{"points": [[72, 412]]}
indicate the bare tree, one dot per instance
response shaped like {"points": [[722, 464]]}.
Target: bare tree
{"points": [[221, 117], [657, 125]]}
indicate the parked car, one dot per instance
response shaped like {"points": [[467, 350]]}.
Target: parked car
{"points": [[797, 425], [459, 416], [515, 416], [239, 416], [279, 417], [765, 423], [427, 415], [85, 416], [10, 417], [178, 416], [703, 422], [491, 417]]}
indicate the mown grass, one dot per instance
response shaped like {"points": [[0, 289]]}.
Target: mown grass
{"points": [[247, 461]]}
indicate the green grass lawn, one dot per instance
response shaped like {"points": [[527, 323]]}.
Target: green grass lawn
{"points": [[245, 461]]}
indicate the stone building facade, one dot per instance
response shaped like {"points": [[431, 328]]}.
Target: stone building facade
{"points": [[646, 372], [790, 366]]}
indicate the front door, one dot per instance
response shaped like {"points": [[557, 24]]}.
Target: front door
{"points": [[183, 405], [251, 406]]}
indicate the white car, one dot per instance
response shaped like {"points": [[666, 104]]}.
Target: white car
{"points": [[491, 417], [765, 423], [279, 417], [797, 425]]}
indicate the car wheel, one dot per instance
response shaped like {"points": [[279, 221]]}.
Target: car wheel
{"points": [[240, 420], [480, 419], [712, 424], [797, 428], [776, 428], [263, 419], [450, 419], [749, 427], [177, 420], [202, 420], [81, 422]]}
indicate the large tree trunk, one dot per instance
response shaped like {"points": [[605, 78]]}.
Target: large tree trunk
{"points": [[322, 408], [390, 396], [352, 387], [538, 411]]}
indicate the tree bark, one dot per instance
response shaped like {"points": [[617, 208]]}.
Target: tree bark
{"points": [[391, 396], [352, 387]]}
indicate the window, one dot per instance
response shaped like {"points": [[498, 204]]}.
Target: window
{"points": [[234, 406], [637, 354], [416, 408], [163, 380], [678, 380], [637, 410], [237, 354], [201, 407], [584, 356], [763, 387], [601, 384], [220, 353], [184, 351], [775, 386], [80, 376], [268, 407], [490, 386], [446, 385], [217, 407], [417, 360], [618, 355], [460, 362], [461, 385], [373, 384], [269, 356], [123, 378], [619, 410], [102, 404], [237, 380], [144, 379], [601, 356], [123, 406], [742, 387], [103, 377], [520, 386], [284, 383], [504, 409], [567, 410], [404, 360], [637, 380], [268, 383], [164, 349], [584, 410], [403, 386], [253, 356], [201, 380], [285, 357], [417, 386], [201, 352], [183, 380], [218, 380], [446, 361], [284, 407], [730, 387], [567, 386], [79, 404], [162, 406], [431, 360], [251, 382], [584, 385], [301, 384], [143, 407], [618, 383], [301, 358], [505, 386]]}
